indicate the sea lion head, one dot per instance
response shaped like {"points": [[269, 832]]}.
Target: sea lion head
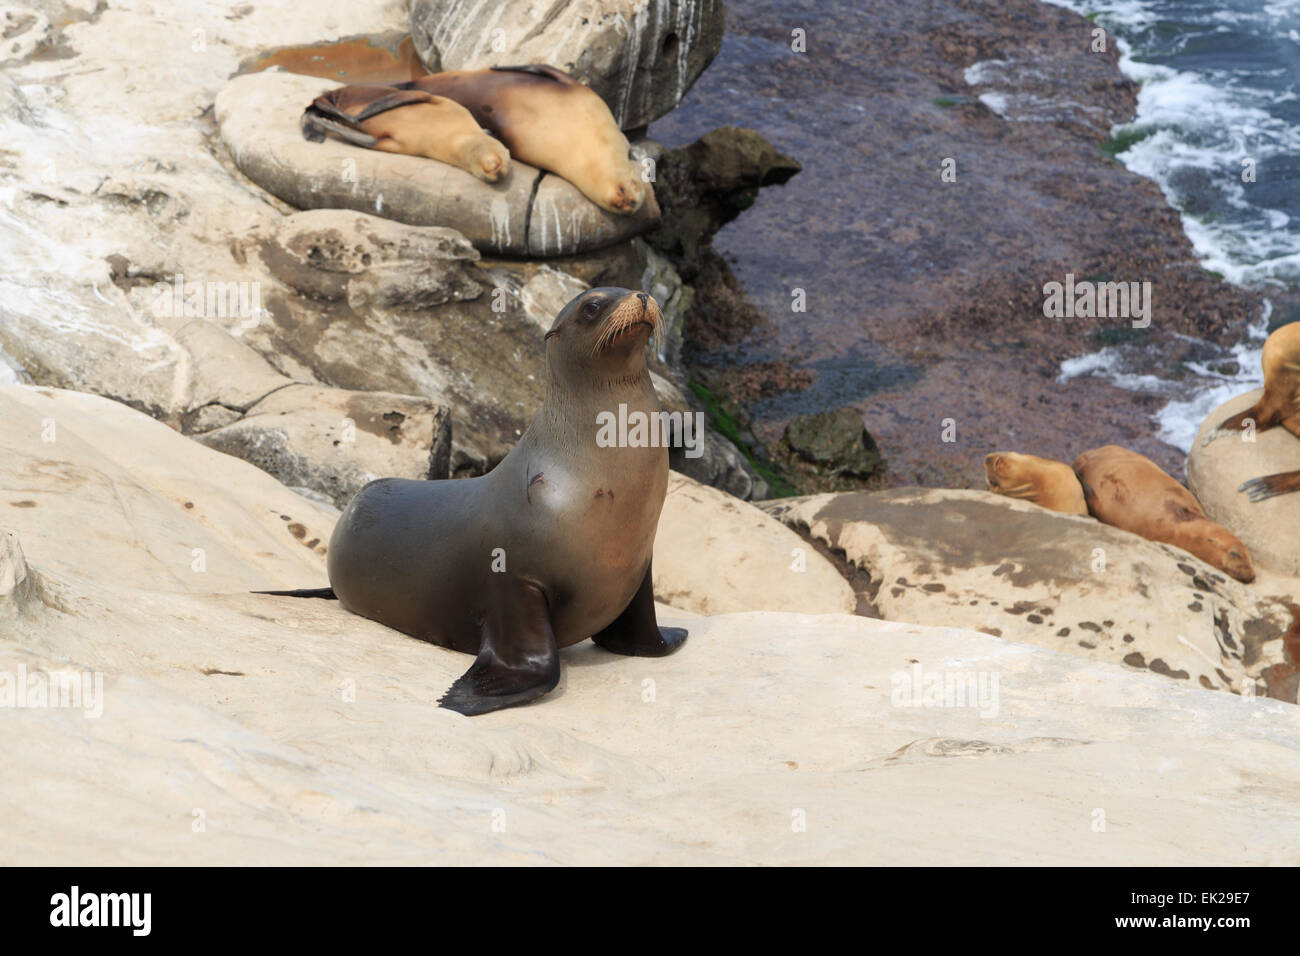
{"points": [[1224, 550], [624, 191], [1008, 473], [486, 157], [603, 333]]}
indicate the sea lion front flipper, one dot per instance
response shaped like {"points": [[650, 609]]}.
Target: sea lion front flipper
{"points": [[1270, 486], [517, 659], [636, 631], [542, 70]]}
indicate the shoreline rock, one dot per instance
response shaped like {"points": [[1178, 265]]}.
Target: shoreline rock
{"points": [[641, 56]]}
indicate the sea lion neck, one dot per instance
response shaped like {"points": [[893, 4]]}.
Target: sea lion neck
{"points": [[568, 416]]}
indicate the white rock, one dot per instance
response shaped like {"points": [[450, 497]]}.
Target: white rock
{"points": [[973, 559], [216, 726], [715, 554]]}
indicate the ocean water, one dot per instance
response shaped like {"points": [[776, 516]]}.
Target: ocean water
{"points": [[1220, 95]]}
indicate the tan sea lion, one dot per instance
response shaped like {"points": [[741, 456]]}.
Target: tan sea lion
{"points": [[407, 121], [550, 120], [1044, 481], [550, 547], [1130, 491], [1279, 405]]}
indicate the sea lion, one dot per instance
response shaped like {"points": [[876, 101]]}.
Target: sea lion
{"points": [[549, 548], [550, 120], [1048, 483], [407, 121], [1130, 491], [1279, 405]]}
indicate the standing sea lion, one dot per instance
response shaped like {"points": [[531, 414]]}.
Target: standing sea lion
{"points": [[550, 120], [1048, 483], [549, 548], [1130, 491], [1279, 405], [407, 121]]}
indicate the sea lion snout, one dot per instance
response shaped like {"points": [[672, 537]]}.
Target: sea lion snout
{"points": [[490, 160], [626, 197]]}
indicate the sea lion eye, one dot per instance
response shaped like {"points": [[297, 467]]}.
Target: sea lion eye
{"points": [[591, 309]]}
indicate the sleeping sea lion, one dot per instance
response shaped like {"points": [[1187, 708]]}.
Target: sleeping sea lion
{"points": [[550, 120], [1130, 491], [1048, 483], [549, 548], [407, 121]]}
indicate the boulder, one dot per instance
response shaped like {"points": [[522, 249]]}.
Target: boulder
{"points": [[259, 116], [335, 441], [717, 555], [641, 56], [708, 183], [1270, 529], [835, 441], [977, 560]]}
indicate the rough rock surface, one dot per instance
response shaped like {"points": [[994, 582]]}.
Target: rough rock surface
{"points": [[836, 441], [528, 213], [372, 262], [1270, 529], [716, 555], [1012, 569], [641, 56], [232, 728], [334, 441], [144, 266]]}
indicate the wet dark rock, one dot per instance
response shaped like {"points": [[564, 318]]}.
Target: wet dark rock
{"points": [[704, 186], [837, 441]]}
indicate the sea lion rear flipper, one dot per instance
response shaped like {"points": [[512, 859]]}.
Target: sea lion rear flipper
{"points": [[636, 632], [315, 126], [1270, 486], [542, 70], [326, 594], [517, 659], [342, 111]]}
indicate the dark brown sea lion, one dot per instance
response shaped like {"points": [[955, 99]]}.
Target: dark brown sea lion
{"points": [[407, 121], [1047, 483], [549, 548], [550, 120], [1130, 491]]}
